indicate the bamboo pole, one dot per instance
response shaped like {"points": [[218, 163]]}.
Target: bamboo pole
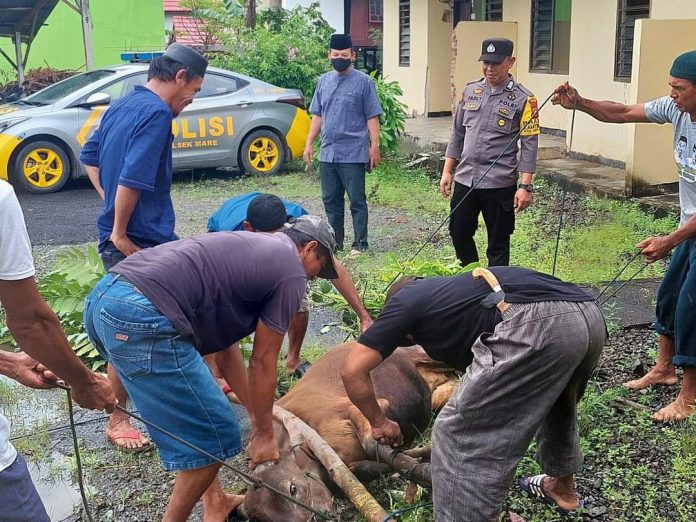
{"points": [[338, 471]]}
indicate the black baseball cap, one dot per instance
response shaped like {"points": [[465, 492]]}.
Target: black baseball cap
{"points": [[496, 49], [266, 213], [188, 57]]}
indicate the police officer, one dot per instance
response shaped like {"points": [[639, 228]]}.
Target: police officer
{"points": [[492, 110]]}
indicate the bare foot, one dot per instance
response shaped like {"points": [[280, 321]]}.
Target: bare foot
{"points": [[564, 497], [219, 509], [658, 376], [679, 410], [125, 436]]}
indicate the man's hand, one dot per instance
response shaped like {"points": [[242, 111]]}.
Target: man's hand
{"points": [[32, 373], [566, 96], [523, 199], [124, 244], [308, 154], [387, 432], [446, 184], [654, 248], [375, 157], [95, 394], [263, 448], [365, 323]]}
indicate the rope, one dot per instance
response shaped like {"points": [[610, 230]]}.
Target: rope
{"points": [[393, 514], [624, 284], [247, 478], [560, 227], [633, 258]]}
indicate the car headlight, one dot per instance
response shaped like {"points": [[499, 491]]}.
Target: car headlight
{"points": [[6, 124]]}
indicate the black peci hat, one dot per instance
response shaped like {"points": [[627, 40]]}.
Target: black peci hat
{"points": [[341, 41], [266, 213], [188, 57]]}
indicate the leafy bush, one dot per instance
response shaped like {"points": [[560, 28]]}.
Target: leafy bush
{"points": [[65, 289], [393, 119], [287, 48]]}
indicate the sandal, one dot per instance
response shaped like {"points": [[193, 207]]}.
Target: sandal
{"points": [[534, 487], [133, 434]]}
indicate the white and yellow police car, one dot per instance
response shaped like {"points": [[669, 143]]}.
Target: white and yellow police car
{"points": [[234, 121]]}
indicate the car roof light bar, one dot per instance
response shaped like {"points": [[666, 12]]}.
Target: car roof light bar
{"points": [[141, 57]]}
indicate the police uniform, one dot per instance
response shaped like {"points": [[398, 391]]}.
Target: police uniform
{"points": [[484, 124]]}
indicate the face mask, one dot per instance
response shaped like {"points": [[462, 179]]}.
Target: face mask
{"points": [[341, 64]]}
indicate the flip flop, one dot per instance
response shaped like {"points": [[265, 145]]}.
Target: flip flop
{"points": [[533, 486], [301, 369], [133, 434]]}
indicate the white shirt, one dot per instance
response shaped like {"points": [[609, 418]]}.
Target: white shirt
{"points": [[16, 263]]}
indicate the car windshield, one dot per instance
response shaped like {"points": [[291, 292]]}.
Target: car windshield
{"points": [[60, 90]]}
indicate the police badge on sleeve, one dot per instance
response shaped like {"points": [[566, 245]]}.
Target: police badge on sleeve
{"points": [[530, 118]]}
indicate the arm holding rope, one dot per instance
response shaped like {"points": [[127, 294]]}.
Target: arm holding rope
{"points": [[658, 247], [263, 368], [607, 111], [346, 287]]}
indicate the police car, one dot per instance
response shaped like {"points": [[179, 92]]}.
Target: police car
{"points": [[234, 121]]}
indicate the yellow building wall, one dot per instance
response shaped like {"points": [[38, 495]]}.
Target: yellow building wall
{"points": [[413, 77], [540, 84], [658, 42], [666, 9], [439, 58]]}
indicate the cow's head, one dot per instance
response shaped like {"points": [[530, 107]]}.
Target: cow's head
{"points": [[262, 504]]}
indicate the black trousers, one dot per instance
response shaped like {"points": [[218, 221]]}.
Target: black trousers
{"points": [[496, 205]]}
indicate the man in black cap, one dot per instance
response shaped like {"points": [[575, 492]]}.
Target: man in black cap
{"points": [[675, 322], [346, 111], [492, 110], [129, 161]]}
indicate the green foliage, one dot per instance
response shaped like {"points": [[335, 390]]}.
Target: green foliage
{"points": [[65, 288], [287, 48], [393, 119]]}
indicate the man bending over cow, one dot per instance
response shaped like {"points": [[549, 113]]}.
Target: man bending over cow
{"points": [[526, 369], [258, 212], [157, 312]]}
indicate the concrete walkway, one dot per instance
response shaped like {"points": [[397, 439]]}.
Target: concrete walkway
{"points": [[432, 134]]}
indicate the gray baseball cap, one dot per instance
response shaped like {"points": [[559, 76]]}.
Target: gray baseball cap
{"points": [[320, 230]]}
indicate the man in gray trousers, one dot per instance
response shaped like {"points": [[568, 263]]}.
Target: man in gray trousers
{"points": [[528, 345]]}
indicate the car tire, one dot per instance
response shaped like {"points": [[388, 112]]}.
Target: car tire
{"points": [[41, 167], [263, 153]]}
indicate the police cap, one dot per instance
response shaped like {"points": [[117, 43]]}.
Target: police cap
{"points": [[496, 49]]}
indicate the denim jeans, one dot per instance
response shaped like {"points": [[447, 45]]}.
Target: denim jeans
{"points": [[163, 373], [676, 317], [111, 255], [336, 180], [19, 500]]}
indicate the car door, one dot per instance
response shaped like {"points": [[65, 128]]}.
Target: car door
{"points": [[207, 132], [89, 117]]}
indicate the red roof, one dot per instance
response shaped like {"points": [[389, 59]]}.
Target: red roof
{"points": [[187, 31], [172, 6]]}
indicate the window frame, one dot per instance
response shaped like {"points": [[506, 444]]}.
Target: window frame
{"points": [[404, 33], [378, 18], [552, 42], [620, 41], [488, 10]]}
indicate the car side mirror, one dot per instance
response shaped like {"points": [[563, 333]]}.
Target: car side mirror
{"points": [[98, 98]]}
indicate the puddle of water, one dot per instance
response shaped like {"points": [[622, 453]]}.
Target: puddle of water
{"points": [[29, 411], [55, 487]]}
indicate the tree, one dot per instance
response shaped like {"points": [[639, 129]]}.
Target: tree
{"points": [[250, 16]]}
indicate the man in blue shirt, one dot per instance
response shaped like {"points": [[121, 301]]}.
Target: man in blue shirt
{"points": [[129, 161], [346, 111]]}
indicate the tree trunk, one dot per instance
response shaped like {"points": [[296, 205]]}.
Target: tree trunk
{"points": [[339, 472], [250, 17]]}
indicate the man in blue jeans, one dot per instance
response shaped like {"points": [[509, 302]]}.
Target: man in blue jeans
{"points": [[157, 313], [129, 162], [346, 111]]}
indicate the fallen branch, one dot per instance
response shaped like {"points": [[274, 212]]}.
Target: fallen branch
{"points": [[338, 471], [631, 404]]}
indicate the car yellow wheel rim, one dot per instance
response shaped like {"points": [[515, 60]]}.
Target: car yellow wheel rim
{"points": [[43, 168], [263, 154]]}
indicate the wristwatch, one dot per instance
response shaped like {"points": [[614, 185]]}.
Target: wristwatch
{"points": [[527, 186]]}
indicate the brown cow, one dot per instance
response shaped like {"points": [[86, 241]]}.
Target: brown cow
{"points": [[408, 384]]}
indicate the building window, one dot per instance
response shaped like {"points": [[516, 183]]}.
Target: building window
{"points": [[494, 10], [628, 12], [550, 46], [376, 15], [405, 32]]}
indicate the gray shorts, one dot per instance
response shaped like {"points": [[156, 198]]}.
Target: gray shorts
{"points": [[18, 497]]}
